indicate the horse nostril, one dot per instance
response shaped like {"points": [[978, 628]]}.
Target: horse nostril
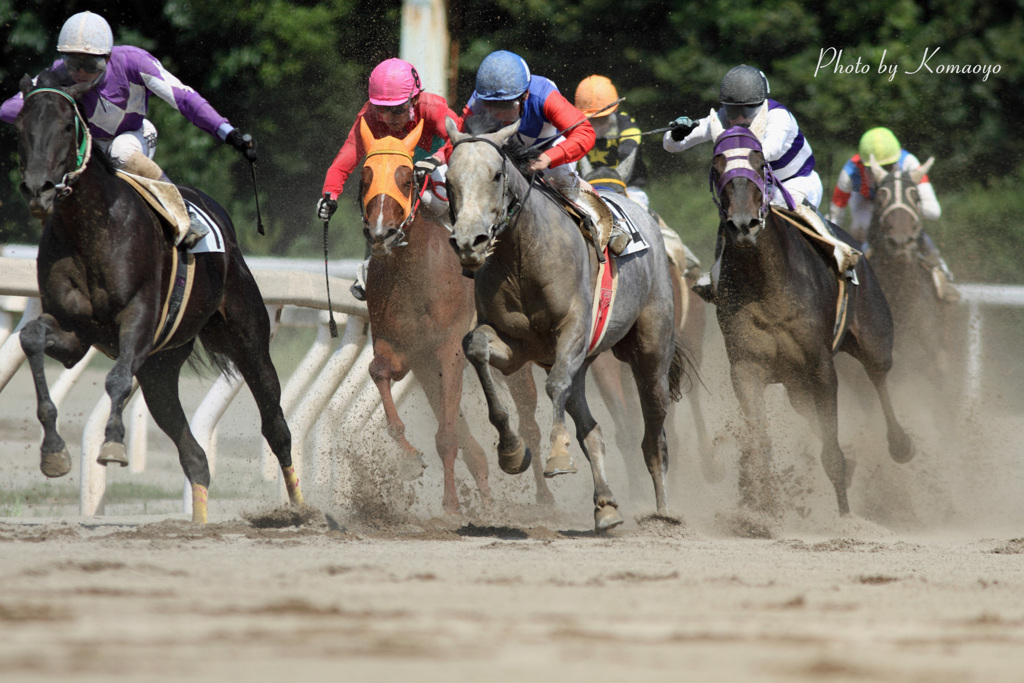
{"points": [[480, 240]]}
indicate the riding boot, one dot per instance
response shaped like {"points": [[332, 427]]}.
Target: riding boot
{"points": [[358, 288], [707, 283], [188, 233], [942, 278], [845, 256]]}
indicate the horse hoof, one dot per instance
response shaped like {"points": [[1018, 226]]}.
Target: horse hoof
{"points": [[902, 450], [606, 517], [410, 467], [516, 461], [559, 464], [55, 465], [113, 452]]}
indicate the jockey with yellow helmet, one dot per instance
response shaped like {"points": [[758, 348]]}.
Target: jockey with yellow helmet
{"points": [[855, 188]]}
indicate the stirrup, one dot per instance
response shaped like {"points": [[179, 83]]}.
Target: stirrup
{"points": [[358, 291]]}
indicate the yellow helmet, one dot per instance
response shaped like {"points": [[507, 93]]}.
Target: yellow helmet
{"points": [[882, 143], [595, 92]]}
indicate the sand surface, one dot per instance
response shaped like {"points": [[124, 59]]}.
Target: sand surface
{"points": [[924, 582]]}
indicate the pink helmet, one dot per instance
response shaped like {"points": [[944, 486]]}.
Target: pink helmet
{"points": [[393, 82]]}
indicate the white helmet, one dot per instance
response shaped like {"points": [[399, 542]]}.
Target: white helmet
{"points": [[86, 33]]}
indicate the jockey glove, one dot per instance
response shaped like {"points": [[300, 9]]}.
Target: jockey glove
{"points": [[325, 208], [243, 143], [681, 127], [424, 167]]}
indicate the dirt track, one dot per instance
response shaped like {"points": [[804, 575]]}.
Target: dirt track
{"points": [[925, 582]]}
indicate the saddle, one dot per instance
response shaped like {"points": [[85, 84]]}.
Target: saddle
{"points": [[806, 220], [164, 198], [591, 215]]}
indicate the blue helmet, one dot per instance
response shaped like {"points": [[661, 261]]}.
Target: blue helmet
{"points": [[502, 76]]}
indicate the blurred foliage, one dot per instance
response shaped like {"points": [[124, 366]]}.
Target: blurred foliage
{"points": [[293, 73]]}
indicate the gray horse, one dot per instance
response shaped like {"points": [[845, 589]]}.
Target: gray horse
{"points": [[535, 279]]}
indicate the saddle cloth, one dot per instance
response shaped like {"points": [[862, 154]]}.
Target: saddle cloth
{"points": [[166, 200]]}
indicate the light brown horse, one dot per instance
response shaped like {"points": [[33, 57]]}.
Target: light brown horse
{"points": [[420, 308]]}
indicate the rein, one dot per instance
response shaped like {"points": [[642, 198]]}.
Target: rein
{"points": [[738, 166], [84, 151], [512, 208]]}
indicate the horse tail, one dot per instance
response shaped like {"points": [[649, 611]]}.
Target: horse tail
{"points": [[683, 367], [204, 359]]}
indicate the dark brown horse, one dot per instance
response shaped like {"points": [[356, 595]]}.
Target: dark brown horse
{"points": [[921, 319], [777, 308], [105, 270], [420, 308]]}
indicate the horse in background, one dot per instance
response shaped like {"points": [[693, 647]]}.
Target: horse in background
{"points": [[535, 277], [106, 273], [922, 321], [777, 309], [689, 313], [420, 307]]}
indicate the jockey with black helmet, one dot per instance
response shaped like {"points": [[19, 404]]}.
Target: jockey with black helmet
{"points": [[743, 94]]}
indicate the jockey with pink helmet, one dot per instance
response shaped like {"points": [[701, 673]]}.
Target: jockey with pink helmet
{"points": [[396, 104]]}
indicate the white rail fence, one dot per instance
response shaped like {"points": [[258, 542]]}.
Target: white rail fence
{"points": [[332, 377]]}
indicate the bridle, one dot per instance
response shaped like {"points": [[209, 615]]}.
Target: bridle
{"points": [[736, 144], [82, 136], [511, 208], [391, 190]]}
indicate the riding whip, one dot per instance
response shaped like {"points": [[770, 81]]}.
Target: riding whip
{"points": [[327, 278], [247, 139], [578, 123]]}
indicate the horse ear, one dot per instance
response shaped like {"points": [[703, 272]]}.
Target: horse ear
{"points": [[505, 133], [877, 171], [413, 137], [452, 129], [366, 135], [921, 171], [25, 85]]}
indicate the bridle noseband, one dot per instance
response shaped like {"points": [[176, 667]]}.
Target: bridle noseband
{"points": [[84, 151], [736, 144], [512, 207]]}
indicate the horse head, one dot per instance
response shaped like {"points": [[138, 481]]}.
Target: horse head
{"points": [[53, 141], [896, 222], [386, 188], [739, 178], [480, 199]]}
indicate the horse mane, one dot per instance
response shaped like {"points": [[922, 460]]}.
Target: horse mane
{"points": [[519, 154]]}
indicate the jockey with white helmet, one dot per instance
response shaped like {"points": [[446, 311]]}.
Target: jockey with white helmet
{"points": [[123, 78], [397, 103]]}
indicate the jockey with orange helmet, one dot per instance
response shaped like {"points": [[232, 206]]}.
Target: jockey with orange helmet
{"points": [[397, 102], [618, 136]]}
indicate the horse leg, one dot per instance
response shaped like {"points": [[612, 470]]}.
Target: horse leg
{"points": [[523, 389], [756, 483], [483, 348], [569, 360], [606, 371], [654, 400], [901, 446], [588, 434], [385, 368], [158, 378], [39, 337], [475, 458], [823, 392], [243, 336]]}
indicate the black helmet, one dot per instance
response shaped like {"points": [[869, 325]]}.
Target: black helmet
{"points": [[743, 85]]}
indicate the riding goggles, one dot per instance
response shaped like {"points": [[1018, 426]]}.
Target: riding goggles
{"points": [[741, 114], [90, 64]]}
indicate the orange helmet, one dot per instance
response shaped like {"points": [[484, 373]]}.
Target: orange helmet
{"points": [[595, 92]]}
